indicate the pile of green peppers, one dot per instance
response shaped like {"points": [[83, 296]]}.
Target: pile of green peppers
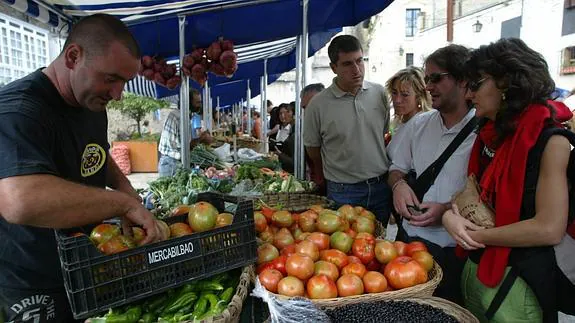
{"points": [[193, 301]]}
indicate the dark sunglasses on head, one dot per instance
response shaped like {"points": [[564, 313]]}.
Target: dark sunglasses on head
{"points": [[473, 86], [434, 77]]}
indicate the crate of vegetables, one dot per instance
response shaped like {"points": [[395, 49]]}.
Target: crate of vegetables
{"points": [[218, 299], [103, 268]]}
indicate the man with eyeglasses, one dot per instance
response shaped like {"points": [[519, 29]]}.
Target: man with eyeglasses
{"points": [[429, 135], [344, 132]]}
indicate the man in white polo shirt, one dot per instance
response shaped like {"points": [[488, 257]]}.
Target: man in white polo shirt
{"points": [[427, 137], [344, 132]]}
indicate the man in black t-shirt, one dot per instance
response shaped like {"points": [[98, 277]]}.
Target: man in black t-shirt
{"points": [[55, 166]]}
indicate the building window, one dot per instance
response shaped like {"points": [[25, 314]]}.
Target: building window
{"points": [[411, 21], [23, 49], [568, 66], [408, 59]]}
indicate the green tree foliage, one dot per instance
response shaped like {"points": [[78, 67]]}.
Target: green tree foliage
{"points": [[137, 107]]}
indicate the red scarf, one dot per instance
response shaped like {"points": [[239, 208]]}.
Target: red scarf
{"points": [[505, 176]]}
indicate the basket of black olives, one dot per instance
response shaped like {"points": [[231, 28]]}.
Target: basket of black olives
{"points": [[412, 310]]}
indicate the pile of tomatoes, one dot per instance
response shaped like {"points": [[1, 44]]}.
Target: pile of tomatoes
{"points": [[347, 261]]}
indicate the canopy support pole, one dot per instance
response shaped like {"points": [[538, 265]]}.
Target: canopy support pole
{"points": [[184, 100], [264, 110], [301, 79], [249, 111]]}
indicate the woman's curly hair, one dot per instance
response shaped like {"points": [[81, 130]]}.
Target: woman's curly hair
{"points": [[521, 74]]}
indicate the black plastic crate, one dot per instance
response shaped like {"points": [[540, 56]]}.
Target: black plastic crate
{"points": [[96, 282]]}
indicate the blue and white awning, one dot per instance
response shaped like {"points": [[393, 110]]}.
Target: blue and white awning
{"points": [[44, 13]]}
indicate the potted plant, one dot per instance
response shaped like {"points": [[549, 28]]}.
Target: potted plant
{"points": [[143, 147]]}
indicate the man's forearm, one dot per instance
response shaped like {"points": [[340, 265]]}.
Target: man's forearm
{"points": [[394, 177], [314, 154], [52, 202]]}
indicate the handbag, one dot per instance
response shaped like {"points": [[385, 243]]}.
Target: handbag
{"points": [[471, 206]]}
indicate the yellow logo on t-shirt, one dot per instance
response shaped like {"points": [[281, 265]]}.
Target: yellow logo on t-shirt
{"points": [[93, 159]]}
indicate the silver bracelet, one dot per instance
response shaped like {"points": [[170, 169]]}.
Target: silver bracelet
{"points": [[397, 183]]}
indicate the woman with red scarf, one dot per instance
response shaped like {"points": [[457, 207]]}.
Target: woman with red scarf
{"points": [[509, 84]]}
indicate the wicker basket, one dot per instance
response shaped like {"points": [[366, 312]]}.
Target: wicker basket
{"points": [[233, 312], [421, 290], [248, 143], [458, 312], [295, 202]]}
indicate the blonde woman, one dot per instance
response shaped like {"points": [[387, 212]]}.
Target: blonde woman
{"points": [[407, 91]]}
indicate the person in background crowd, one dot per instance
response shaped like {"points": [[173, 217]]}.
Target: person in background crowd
{"points": [[344, 129], [55, 165], [274, 113], [146, 127], [307, 94], [170, 146], [510, 86], [269, 108], [257, 129], [427, 136], [286, 150], [285, 139], [409, 97]]}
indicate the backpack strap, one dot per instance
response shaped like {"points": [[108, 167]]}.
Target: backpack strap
{"points": [[502, 292]]}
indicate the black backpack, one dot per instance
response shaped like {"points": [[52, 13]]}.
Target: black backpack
{"points": [[549, 271]]}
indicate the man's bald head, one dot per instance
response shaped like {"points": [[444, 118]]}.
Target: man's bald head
{"points": [[94, 34]]}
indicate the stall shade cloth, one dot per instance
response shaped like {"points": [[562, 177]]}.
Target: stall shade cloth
{"points": [[155, 23]]}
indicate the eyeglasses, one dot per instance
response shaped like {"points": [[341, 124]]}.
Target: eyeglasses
{"points": [[434, 77], [473, 86]]}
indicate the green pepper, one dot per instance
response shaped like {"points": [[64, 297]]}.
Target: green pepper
{"points": [[227, 294], [156, 303], [200, 307], [180, 302], [215, 306], [206, 285], [219, 278], [132, 315], [148, 318]]}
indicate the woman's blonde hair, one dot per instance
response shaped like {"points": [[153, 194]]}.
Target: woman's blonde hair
{"points": [[413, 76]]}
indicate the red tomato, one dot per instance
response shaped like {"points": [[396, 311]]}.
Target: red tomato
{"points": [[354, 260], [291, 286], [116, 244], [424, 258], [327, 268], [400, 247], [351, 233], [374, 282], [103, 232], [308, 248], [268, 212], [373, 265], [320, 239], [264, 266], [367, 236], [320, 287], [334, 256], [270, 278], [288, 250], [413, 247], [283, 238], [279, 264], [349, 285], [355, 269], [180, 229], [306, 221], [364, 250], [403, 272], [385, 251], [260, 221], [267, 252], [300, 266]]}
